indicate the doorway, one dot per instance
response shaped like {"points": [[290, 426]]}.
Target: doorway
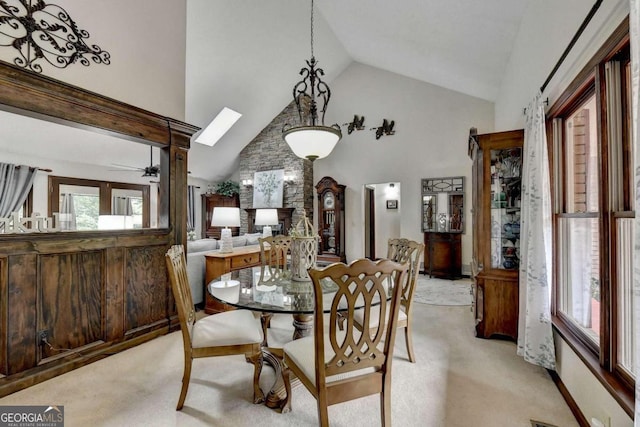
{"points": [[381, 209], [369, 222]]}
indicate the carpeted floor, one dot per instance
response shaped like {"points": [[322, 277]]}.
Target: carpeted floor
{"points": [[442, 292], [458, 381]]}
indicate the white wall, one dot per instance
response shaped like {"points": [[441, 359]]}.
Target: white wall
{"points": [[432, 129], [146, 40], [388, 221], [547, 28]]}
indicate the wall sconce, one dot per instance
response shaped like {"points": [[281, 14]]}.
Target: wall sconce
{"points": [[391, 191], [247, 182], [356, 124], [385, 129]]}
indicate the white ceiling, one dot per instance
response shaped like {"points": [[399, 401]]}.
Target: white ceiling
{"points": [[246, 55], [463, 45]]}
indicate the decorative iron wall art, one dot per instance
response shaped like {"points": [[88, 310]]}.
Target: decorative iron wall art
{"points": [[41, 31]]}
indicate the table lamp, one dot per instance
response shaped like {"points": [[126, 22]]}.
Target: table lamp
{"points": [[266, 218], [225, 217]]}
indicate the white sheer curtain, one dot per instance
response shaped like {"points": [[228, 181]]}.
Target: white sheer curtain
{"points": [[535, 336], [634, 24]]}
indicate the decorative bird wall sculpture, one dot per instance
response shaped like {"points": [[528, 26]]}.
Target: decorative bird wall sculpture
{"points": [[356, 124], [385, 129]]}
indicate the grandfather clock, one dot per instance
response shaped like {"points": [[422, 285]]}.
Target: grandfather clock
{"points": [[331, 220]]}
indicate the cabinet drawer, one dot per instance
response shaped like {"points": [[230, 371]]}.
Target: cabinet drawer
{"points": [[246, 260]]}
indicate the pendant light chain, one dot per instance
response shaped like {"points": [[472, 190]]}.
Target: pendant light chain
{"points": [[312, 28]]}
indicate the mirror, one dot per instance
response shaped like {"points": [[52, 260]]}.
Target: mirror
{"points": [[443, 205], [73, 153]]}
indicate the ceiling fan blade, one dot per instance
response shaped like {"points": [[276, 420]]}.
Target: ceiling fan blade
{"points": [[127, 166]]}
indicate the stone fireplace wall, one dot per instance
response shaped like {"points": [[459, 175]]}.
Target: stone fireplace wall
{"points": [[268, 151]]}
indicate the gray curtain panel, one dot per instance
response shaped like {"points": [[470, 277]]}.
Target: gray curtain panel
{"points": [[67, 212], [191, 207], [121, 206], [15, 184]]}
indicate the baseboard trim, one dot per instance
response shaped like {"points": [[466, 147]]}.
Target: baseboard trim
{"points": [[577, 413]]}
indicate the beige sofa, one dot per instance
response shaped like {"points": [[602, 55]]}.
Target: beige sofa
{"points": [[195, 260]]}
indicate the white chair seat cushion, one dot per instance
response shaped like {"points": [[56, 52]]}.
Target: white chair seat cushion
{"points": [[374, 316], [302, 352], [227, 328]]}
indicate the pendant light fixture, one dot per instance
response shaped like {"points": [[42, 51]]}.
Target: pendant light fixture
{"points": [[311, 139]]}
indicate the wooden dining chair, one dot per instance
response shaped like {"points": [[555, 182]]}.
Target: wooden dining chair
{"points": [[274, 251], [404, 250], [222, 334], [337, 365]]}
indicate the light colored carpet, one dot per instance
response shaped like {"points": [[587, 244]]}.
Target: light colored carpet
{"points": [[442, 292], [458, 381]]}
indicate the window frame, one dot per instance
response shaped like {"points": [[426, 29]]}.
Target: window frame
{"points": [[104, 188], [602, 360]]}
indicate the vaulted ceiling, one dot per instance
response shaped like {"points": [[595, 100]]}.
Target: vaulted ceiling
{"points": [[246, 55]]}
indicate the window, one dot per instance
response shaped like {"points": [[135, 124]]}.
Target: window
{"points": [[590, 128], [84, 204]]}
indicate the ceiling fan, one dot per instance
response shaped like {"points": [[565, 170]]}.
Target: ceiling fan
{"points": [[148, 171]]}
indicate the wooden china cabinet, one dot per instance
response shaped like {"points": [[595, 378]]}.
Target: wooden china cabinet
{"points": [[331, 220], [496, 173]]}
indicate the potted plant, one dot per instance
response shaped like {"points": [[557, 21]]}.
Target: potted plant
{"points": [[228, 188]]}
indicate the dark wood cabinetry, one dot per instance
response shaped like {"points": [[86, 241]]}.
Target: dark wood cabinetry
{"points": [[443, 255], [331, 220], [442, 224], [93, 293], [210, 201], [497, 171]]}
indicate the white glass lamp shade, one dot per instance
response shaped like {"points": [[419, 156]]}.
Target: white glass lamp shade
{"points": [[266, 218], [312, 142], [225, 217]]}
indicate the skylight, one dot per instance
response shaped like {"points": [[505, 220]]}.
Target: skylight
{"points": [[218, 127]]}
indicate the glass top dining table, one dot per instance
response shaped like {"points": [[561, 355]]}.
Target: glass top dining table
{"points": [[254, 288]]}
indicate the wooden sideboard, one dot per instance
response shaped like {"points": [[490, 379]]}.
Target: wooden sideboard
{"points": [[443, 255], [217, 264]]}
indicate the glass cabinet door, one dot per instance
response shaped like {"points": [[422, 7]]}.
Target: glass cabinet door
{"points": [[506, 170]]}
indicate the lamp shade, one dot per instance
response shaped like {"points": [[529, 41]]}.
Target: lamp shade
{"points": [[312, 142], [225, 217], [266, 216]]}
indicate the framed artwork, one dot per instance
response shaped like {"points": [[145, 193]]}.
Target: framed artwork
{"points": [[268, 187], [392, 204]]}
